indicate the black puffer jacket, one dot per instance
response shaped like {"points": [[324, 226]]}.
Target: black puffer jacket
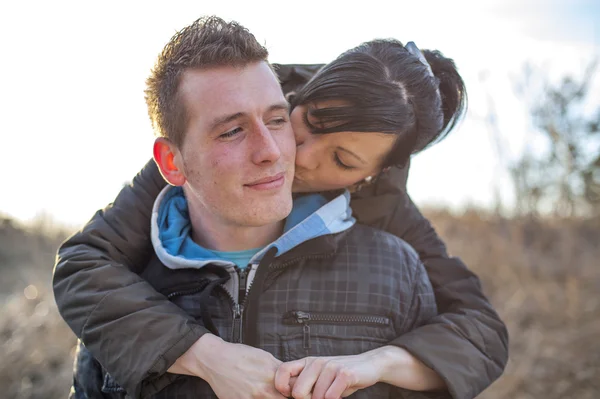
{"points": [[100, 293], [317, 299]]}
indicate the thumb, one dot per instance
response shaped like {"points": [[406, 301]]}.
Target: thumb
{"points": [[285, 375]]}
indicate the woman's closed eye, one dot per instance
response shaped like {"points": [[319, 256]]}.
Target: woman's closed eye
{"points": [[339, 162]]}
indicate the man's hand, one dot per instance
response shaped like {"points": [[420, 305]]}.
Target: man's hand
{"points": [[234, 371], [327, 377]]}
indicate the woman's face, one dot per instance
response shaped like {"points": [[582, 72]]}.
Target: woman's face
{"points": [[332, 161]]}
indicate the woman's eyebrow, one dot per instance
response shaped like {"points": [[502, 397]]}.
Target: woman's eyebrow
{"points": [[352, 154]]}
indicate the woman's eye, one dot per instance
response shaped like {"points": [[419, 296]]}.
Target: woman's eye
{"points": [[230, 133], [339, 162]]}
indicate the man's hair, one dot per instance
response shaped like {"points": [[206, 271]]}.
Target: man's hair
{"points": [[207, 43]]}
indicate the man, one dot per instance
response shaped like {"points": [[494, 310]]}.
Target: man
{"points": [[227, 149]]}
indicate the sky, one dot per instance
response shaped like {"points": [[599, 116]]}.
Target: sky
{"points": [[74, 123]]}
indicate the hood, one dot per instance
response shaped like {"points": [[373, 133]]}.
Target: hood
{"points": [[312, 216]]}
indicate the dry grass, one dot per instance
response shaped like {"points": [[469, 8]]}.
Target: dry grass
{"points": [[36, 346], [543, 277]]}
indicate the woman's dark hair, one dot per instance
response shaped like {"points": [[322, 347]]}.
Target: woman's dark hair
{"points": [[385, 88]]}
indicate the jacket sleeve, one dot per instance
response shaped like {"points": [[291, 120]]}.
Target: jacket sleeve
{"points": [[133, 331], [466, 343]]}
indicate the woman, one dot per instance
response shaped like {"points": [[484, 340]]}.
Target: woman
{"points": [[357, 121]]}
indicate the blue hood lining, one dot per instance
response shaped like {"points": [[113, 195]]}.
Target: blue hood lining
{"points": [[312, 216]]}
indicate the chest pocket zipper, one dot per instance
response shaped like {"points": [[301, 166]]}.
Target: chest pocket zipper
{"points": [[298, 317]]}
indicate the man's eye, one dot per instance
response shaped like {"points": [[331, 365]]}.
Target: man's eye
{"points": [[339, 162], [279, 121], [230, 133]]}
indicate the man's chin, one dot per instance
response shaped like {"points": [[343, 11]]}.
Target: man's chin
{"points": [[270, 215], [272, 208]]}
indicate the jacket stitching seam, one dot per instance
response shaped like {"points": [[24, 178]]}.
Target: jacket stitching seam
{"points": [[87, 319]]}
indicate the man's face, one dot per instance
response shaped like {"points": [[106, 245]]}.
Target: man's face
{"points": [[238, 151]]}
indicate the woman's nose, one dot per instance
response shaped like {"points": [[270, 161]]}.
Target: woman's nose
{"points": [[307, 154]]}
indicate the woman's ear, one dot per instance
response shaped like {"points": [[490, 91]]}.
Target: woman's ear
{"points": [[361, 184], [168, 159]]}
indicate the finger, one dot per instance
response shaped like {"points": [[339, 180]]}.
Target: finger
{"points": [[339, 385], [285, 372], [307, 378], [324, 382], [272, 394]]}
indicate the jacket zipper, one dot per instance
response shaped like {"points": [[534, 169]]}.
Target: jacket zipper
{"points": [[189, 291], [238, 307], [305, 318]]}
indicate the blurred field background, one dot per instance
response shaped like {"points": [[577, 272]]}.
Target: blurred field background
{"points": [[542, 275]]}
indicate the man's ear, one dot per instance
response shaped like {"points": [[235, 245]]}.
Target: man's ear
{"points": [[168, 159]]}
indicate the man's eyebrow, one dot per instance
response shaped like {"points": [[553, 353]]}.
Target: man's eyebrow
{"points": [[280, 106], [229, 118], [352, 154], [222, 120]]}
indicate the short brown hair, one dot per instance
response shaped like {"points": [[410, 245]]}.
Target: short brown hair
{"points": [[207, 42]]}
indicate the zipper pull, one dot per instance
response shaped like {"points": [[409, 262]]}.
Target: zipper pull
{"points": [[243, 281], [303, 318], [306, 336], [237, 324]]}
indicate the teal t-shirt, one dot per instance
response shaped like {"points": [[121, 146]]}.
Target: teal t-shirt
{"points": [[240, 258]]}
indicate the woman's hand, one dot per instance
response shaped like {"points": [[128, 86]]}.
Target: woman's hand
{"points": [[340, 376], [325, 377]]}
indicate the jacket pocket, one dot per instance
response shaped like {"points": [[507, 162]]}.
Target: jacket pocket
{"points": [[338, 334], [333, 334]]}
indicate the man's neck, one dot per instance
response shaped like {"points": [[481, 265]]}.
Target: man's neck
{"points": [[220, 236]]}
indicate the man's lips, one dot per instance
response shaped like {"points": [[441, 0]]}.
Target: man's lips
{"points": [[269, 182]]}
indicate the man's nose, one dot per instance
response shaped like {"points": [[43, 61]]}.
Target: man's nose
{"points": [[266, 148]]}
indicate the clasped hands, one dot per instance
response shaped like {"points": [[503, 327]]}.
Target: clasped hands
{"points": [[237, 371]]}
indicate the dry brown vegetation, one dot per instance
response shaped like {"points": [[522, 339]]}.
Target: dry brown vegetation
{"points": [[543, 277]]}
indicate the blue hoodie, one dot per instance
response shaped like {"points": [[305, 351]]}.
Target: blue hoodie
{"points": [[311, 217]]}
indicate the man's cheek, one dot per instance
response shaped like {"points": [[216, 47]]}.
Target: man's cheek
{"points": [[287, 144]]}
